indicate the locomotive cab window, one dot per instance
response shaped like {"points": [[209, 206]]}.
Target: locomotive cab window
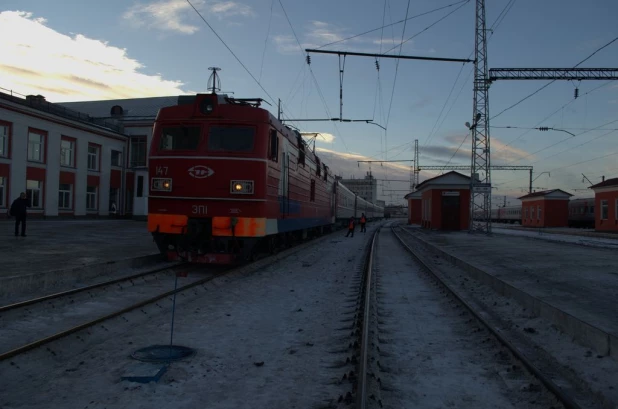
{"points": [[180, 138], [231, 139]]}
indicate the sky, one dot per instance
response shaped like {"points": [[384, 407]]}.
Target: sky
{"points": [[87, 50]]}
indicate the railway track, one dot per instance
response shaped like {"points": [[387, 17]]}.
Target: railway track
{"points": [[382, 333], [33, 323], [30, 324]]}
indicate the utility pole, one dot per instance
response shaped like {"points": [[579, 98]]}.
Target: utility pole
{"points": [[480, 178], [416, 165]]}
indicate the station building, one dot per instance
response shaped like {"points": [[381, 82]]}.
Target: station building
{"points": [[548, 208], [606, 203], [68, 163], [445, 202]]}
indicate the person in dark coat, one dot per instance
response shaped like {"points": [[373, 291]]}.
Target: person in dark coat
{"points": [[18, 209]]}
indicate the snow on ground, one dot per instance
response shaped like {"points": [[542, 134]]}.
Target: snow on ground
{"points": [[586, 373], [561, 238], [74, 280], [286, 316], [435, 357], [581, 281], [28, 324]]}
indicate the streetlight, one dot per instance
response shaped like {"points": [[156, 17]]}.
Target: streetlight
{"points": [[532, 180]]}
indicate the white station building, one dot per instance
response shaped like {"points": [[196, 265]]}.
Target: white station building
{"points": [[78, 159]]}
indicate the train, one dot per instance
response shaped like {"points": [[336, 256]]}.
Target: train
{"points": [[230, 181], [581, 213]]}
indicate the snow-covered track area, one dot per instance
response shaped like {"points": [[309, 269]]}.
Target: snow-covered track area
{"points": [[429, 350]]}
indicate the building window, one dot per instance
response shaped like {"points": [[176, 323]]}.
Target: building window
{"points": [[91, 198], [34, 193], [140, 186], [114, 199], [532, 212], [591, 209], [525, 213], [604, 209], [138, 151], [615, 210], [312, 192], [36, 147], [67, 153], [538, 214], [93, 157], [4, 140], [65, 197], [116, 158], [3, 190]]}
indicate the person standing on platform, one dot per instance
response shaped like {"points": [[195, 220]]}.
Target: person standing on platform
{"points": [[350, 227], [363, 220], [18, 209]]}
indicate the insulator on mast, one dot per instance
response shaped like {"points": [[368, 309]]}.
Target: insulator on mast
{"points": [[309, 59], [576, 93], [377, 65]]}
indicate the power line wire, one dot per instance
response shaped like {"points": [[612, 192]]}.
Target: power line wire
{"points": [[266, 39], [392, 24]]}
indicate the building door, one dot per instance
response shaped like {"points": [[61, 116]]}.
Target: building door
{"points": [[450, 213]]}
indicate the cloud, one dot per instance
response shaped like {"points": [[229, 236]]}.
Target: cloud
{"points": [[500, 153], [286, 44], [323, 137], [75, 67], [173, 15]]}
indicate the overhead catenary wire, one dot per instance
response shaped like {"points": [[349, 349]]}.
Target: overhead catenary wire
{"points": [[232, 52], [313, 75], [270, 19], [391, 24]]}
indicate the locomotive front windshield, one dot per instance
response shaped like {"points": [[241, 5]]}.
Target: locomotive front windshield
{"points": [[231, 139], [180, 138]]}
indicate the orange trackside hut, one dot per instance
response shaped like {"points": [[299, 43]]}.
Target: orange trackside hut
{"points": [[445, 202], [414, 207], [606, 205], [549, 208]]}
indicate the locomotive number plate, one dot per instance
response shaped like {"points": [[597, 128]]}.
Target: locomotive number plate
{"points": [[199, 209]]}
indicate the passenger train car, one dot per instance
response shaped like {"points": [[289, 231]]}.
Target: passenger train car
{"points": [[581, 213], [229, 180], [508, 214]]}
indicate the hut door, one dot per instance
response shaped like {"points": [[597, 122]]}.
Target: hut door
{"points": [[450, 213]]}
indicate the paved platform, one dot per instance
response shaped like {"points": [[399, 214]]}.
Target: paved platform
{"points": [[65, 244], [567, 231], [581, 281]]}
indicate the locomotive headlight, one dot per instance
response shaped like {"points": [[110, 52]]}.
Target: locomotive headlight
{"points": [[242, 187], [161, 185]]}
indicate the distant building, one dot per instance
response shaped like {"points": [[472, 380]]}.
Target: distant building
{"points": [[606, 205], [548, 208], [367, 188]]}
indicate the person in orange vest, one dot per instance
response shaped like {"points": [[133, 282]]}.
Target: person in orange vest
{"points": [[363, 220], [350, 227]]}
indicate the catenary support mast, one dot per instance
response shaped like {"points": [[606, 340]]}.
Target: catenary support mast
{"points": [[480, 181]]}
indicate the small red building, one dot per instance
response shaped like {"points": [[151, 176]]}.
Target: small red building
{"points": [[445, 202], [414, 207], [548, 208], [606, 205]]}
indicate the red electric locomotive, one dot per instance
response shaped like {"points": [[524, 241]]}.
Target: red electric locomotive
{"points": [[228, 180]]}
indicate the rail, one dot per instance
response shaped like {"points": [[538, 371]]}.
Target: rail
{"points": [[549, 384]]}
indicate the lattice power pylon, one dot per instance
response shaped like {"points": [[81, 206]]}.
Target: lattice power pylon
{"points": [[480, 181]]}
